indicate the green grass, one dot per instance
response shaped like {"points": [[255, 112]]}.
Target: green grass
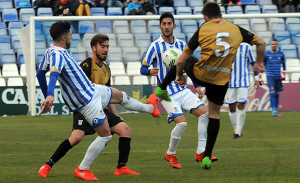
{"points": [[269, 150]]}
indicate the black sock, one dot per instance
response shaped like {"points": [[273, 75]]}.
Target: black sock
{"points": [[124, 149], [62, 149], [212, 133], [171, 76]]}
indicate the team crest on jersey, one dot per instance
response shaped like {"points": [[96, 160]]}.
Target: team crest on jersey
{"points": [[80, 122], [53, 69], [95, 120]]}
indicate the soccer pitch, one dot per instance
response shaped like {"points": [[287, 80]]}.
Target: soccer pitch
{"points": [[268, 151]]}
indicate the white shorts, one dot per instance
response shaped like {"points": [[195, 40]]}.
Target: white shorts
{"points": [[93, 111], [186, 100], [236, 95]]}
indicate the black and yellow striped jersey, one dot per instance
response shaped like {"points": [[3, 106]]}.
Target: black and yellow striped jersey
{"points": [[219, 40], [99, 74]]}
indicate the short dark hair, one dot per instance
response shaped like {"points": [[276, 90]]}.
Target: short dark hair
{"points": [[211, 10], [166, 15], [274, 40], [58, 29], [99, 38]]}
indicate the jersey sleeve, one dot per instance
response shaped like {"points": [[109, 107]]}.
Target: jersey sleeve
{"points": [[86, 67], [193, 43], [250, 55], [57, 62], [248, 37], [150, 56], [283, 62]]}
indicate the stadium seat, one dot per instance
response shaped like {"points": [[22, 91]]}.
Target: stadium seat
{"points": [[22, 4], [112, 40], [198, 10], [86, 27], [179, 3], [246, 2], [222, 8], [15, 81], [290, 51], [189, 36], [10, 70], [97, 11], [114, 11], [276, 24], [267, 36], [125, 40], [138, 26], [166, 9], [23, 72], [126, 11], [140, 80], [155, 36], [293, 25], [269, 9], [20, 57], [16, 44], [131, 54], [39, 55], [10, 15], [283, 37], [2, 82], [38, 28], [189, 26], [78, 54], [258, 25], [122, 80], [242, 23], [133, 68], [46, 27], [104, 26], [3, 29], [234, 10], [153, 27], [296, 40], [43, 11], [142, 40], [75, 41], [183, 10], [115, 55], [4, 4], [117, 68], [7, 57], [121, 27], [13, 27], [40, 42], [25, 14], [252, 9], [181, 36], [5, 43], [264, 2], [49, 40], [195, 3]]}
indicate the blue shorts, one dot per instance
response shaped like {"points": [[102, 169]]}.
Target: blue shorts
{"points": [[274, 84]]}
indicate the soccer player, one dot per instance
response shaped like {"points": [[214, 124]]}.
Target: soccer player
{"points": [[237, 93], [182, 98], [219, 40], [80, 94], [98, 72], [274, 59]]}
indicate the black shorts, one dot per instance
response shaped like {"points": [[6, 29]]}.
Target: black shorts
{"points": [[214, 93], [79, 122]]}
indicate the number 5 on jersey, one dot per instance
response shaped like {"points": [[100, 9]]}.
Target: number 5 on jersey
{"points": [[219, 42]]}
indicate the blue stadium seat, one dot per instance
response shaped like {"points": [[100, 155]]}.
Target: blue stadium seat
{"points": [[40, 42], [78, 54], [22, 4], [258, 25], [269, 9], [86, 41], [155, 36], [5, 5], [242, 23], [179, 3], [290, 51], [222, 8], [86, 27], [283, 37], [75, 41], [125, 40], [264, 2], [138, 26], [153, 27], [10, 15], [296, 40], [189, 36], [142, 40], [115, 54], [112, 40], [198, 10], [252, 9], [114, 11], [120, 27], [126, 11], [178, 28], [3, 31], [38, 28], [49, 40], [234, 10], [25, 14], [180, 36], [46, 27], [16, 44], [183, 10], [13, 27], [195, 3], [166, 9], [189, 26], [293, 25], [43, 11], [5, 43], [104, 26], [131, 54], [39, 55], [276, 24], [20, 57], [7, 56], [266, 35], [97, 11], [246, 2]]}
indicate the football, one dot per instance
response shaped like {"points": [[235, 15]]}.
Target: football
{"points": [[171, 56]]}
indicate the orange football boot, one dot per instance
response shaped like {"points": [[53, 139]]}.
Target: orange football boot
{"points": [[44, 170], [172, 160], [153, 100], [125, 171], [84, 174]]}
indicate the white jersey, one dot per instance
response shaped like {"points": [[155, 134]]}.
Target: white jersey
{"points": [[77, 89], [240, 75], [154, 57]]}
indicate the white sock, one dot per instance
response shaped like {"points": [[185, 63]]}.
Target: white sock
{"points": [[175, 137], [202, 132], [233, 119], [93, 151], [241, 117], [134, 105]]}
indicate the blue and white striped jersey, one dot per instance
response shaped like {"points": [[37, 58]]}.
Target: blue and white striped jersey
{"points": [[240, 75], [77, 89], [273, 62], [154, 57]]}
